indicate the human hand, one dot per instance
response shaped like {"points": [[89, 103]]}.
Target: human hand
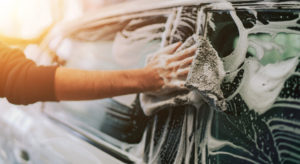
{"points": [[171, 66]]}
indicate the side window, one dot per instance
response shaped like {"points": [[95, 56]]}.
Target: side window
{"points": [[260, 50], [114, 46]]}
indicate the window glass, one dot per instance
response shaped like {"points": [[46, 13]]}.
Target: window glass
{"points": [[115, 46], [260, 50], [261, 88]]}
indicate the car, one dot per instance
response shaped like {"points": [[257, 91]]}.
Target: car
{"points": [[257, 41]]}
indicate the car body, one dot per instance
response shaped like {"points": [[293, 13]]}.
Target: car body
{"points": [[258, 43]]}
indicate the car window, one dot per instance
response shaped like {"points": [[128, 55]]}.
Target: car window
{"points": [[115, 46], [260, 50]]}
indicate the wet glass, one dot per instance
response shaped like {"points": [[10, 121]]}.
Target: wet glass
{"points": [[115, 46]]}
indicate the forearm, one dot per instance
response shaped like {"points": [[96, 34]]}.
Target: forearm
{"points": [[72, 84]]}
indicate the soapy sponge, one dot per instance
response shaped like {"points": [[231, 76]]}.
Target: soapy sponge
{"points": [[206, 74]]}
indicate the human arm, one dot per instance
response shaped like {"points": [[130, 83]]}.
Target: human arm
{"points": [[23, 82], [164, 67], [74, 84]]}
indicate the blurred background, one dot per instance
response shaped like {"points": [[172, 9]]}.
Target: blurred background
{"points": [[29, 19]]}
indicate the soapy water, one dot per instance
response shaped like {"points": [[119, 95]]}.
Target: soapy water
{"points": [[253, 105], [263, 100], [261, 123]]}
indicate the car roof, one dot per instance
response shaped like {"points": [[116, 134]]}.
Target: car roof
{"points": [[138, 8], [146, 5], [135, 6]]}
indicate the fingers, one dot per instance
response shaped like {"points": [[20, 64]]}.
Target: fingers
{"points": [[170, 49], [182, 73], [181, 84], [181, 64], [178, 84], [183, 54], [186, 62]]}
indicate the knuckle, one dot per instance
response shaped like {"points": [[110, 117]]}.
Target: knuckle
{"points": [[168, 61], [169, 77], [169, 68]]}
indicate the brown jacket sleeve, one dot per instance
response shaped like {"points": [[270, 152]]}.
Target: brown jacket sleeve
{"points": [[22, 81]]}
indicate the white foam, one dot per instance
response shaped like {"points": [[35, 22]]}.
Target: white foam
{"points": [[262, 84]]}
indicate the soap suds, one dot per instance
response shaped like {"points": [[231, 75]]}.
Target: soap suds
{"points": [[262, 84], [250, 130]]}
